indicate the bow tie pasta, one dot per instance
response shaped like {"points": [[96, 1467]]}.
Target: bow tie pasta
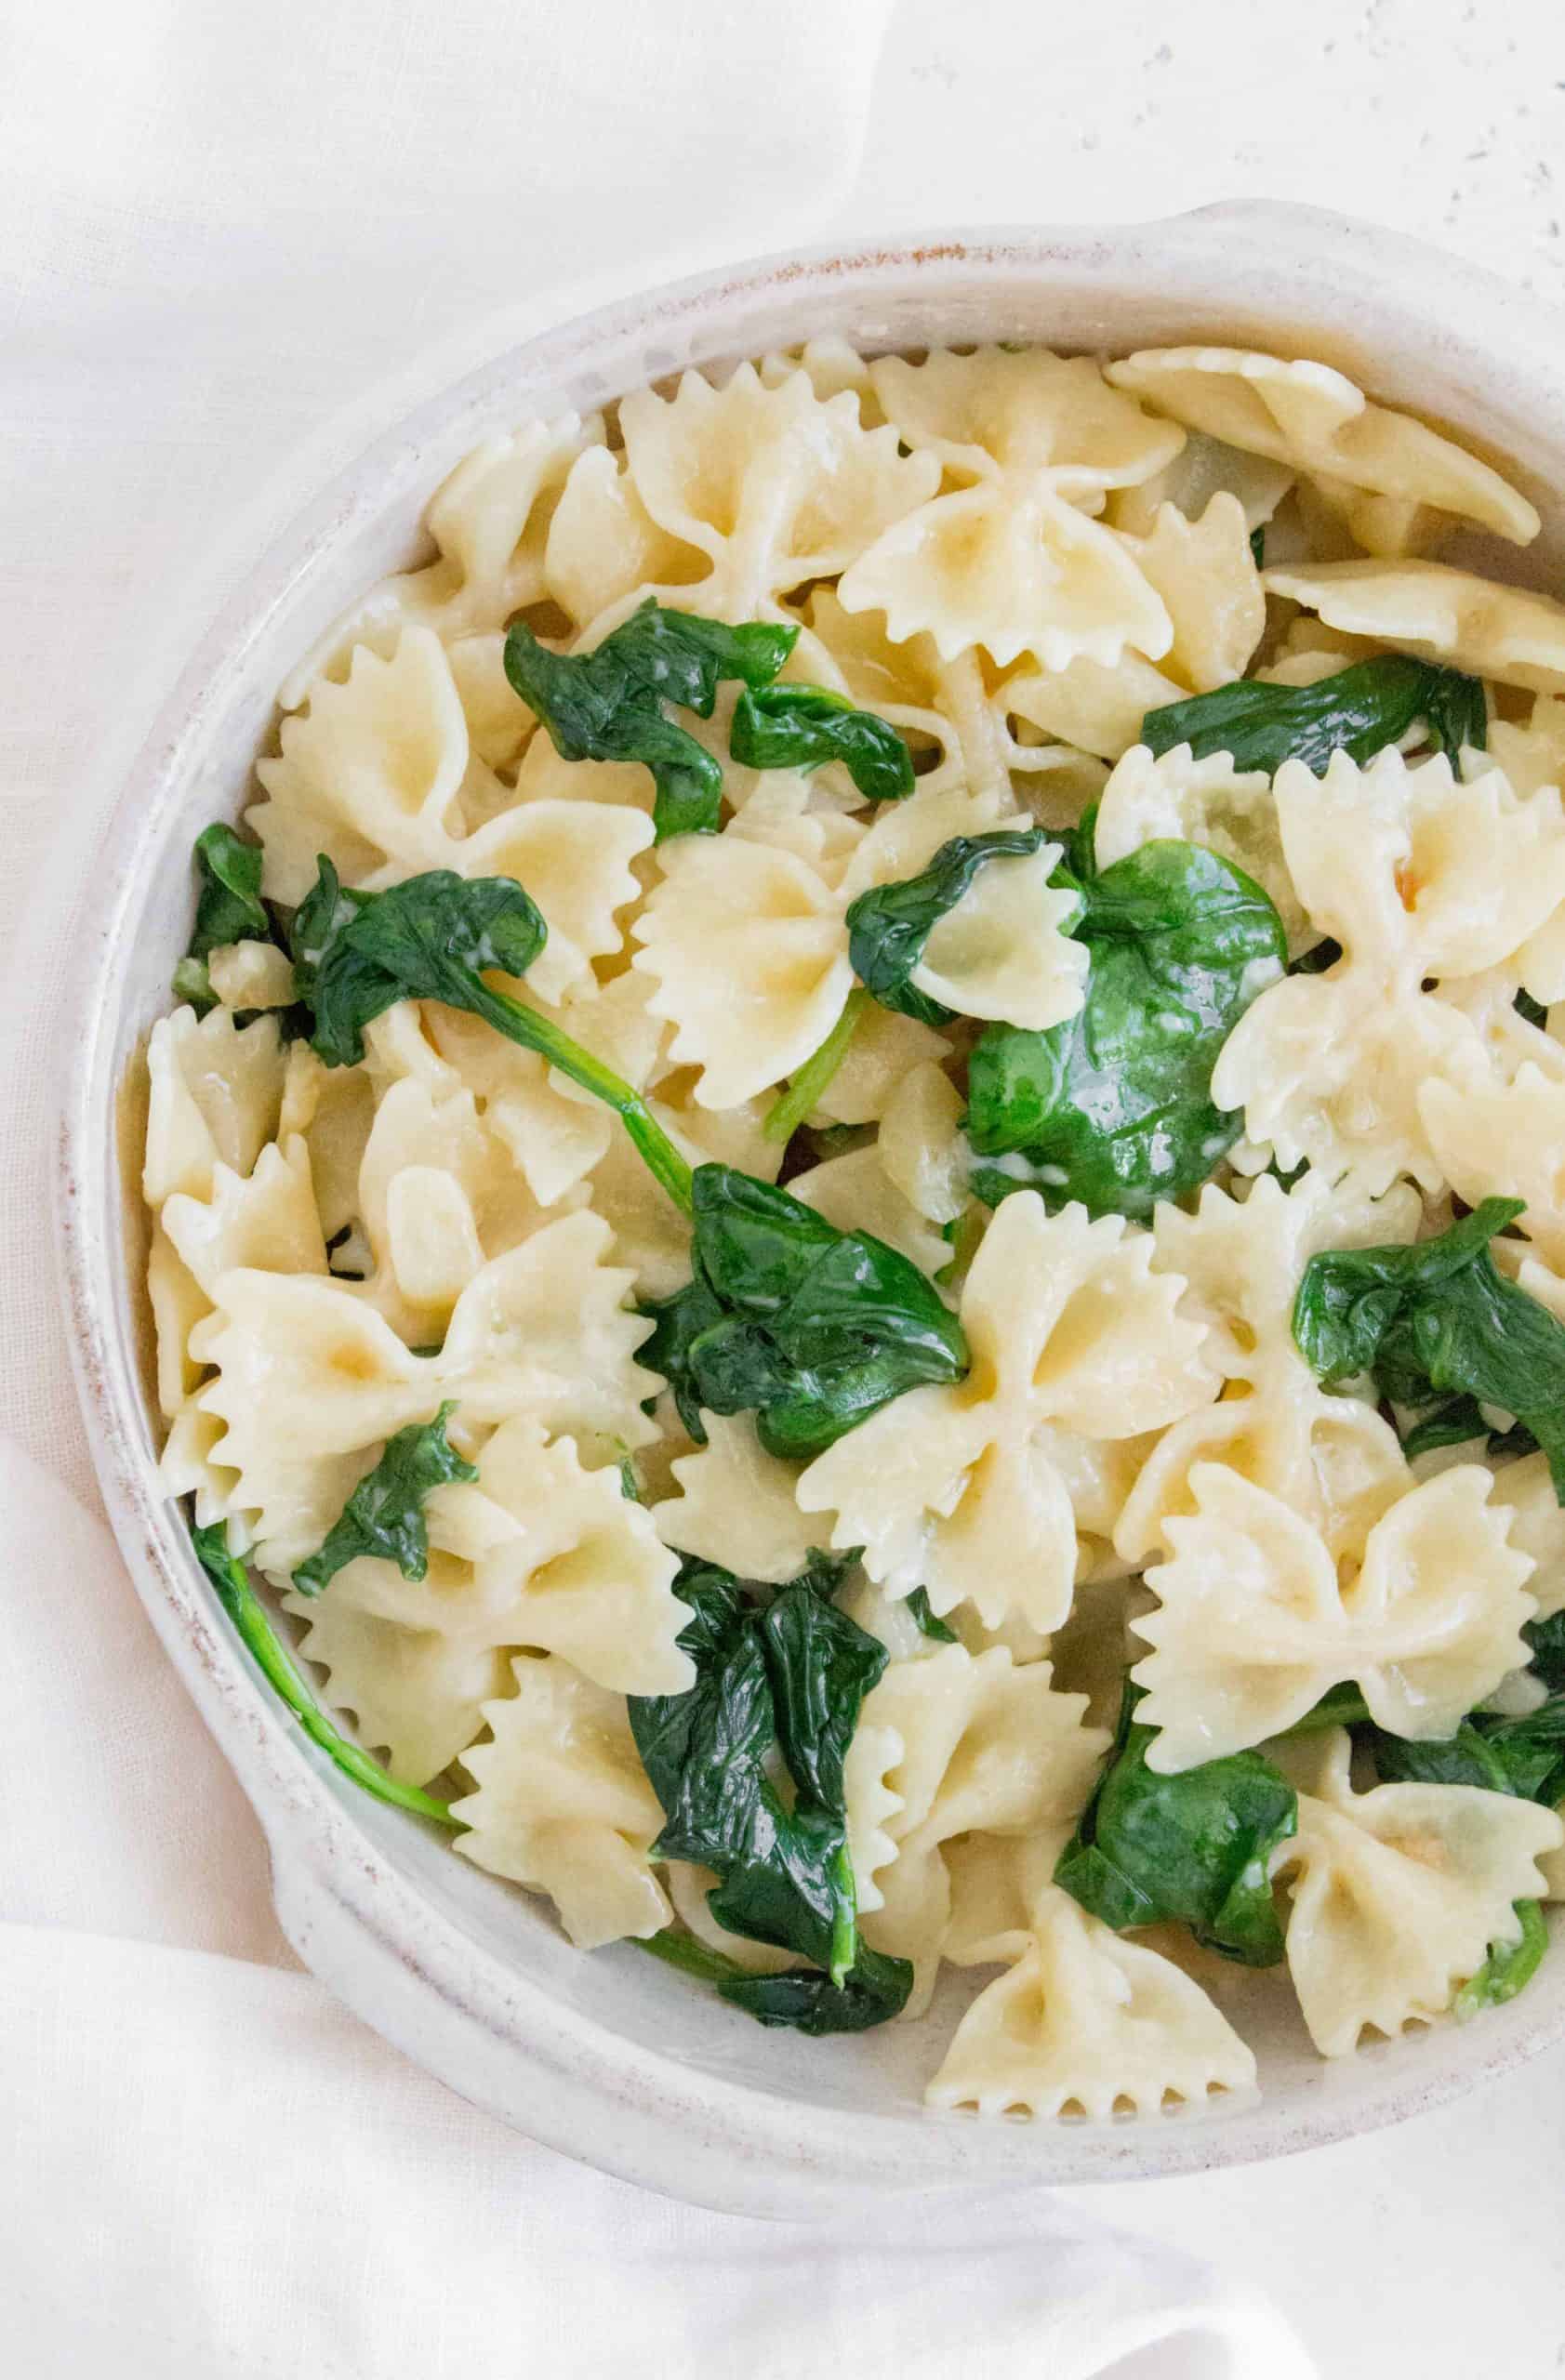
{"points": [[665, 1276], [1398, 1894]]}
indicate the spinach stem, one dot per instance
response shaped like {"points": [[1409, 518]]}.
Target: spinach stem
{"points": [[803, 1094], [1506, 1970], [246, 1609], [535, 1032], [683, 1950]]}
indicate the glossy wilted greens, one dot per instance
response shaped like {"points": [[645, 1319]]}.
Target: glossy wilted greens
{"points": [[384, 1516], [608, 705], [801, 727], [1358, 710], [245, 1608], [228, 908], [1196, 1847], [810, 1329], [1524, 1757], [889, 925], [917, 1604], [434, 938], [781, 1674], [1114, 1106], [1436, 1318]]}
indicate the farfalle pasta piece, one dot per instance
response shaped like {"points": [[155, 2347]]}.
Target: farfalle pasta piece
{"points": [[1531, 754], [958, 1744], [1011, 561], [1507, 1140], [1309, 417], [1255, 1623], [603, 545], [562, 1803], [251, 975], [415, 1661], [1398, 1894], [1442, 879], [332, 1108], [1088, 2023], [748, 954], [920, 1146], [310, 1379], [488, 522], [747, 941], [215, 1099], [945, 702], [585, 1573], [1507, 633], [1231, 811], [1003, 951], [1094, 708], [774, 486], [267, 1219], [1210, 589], [370, 772], [1203, 467], [737, 1506], [1537, 1528], [1332, 1459], [967, 1491]]}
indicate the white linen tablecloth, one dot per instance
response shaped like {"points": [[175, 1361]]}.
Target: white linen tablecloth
{"points": [[223, 233]]}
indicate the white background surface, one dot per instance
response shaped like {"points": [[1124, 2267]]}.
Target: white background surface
{"points": [[219, 229]]}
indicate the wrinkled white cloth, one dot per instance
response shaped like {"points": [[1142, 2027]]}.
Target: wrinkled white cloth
{"points": [[223, 233]]}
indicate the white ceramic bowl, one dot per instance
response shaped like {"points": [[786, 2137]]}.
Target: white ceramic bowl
{"points": [[610, 2056]]}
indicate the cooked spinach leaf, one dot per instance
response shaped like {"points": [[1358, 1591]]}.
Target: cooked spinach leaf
{"points": [[1507, 1968], [678, 1322], [608, 705], [1435, 1318], [1259, 546], [1524, 1757], [800, 727], [1358, 710], [917, 1604], [434, 938], [781, 1676], [228, 908], [875, 1988], [1196, 1847], [1113, 1107], [889, 925], [1531, 1010], [248, 1614], [1546, 1640], [384, 1516], [814, 1329]]}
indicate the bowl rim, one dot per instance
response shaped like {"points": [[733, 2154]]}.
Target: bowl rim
{"points": [[497, 2036]]}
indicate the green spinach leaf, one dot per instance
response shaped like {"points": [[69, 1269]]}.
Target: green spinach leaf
{"points": [[434, 938], [816, 1328], [1196, 1847], [1113, 1107], [248, 1615], [1435, 1318], [1358, 710], [917, 1604], [874, 1989], [800, 727], [781, 1676], [608, 705], [1524, 1757], [889, 925], [384, 1516], [228, 908], [1546, 1640]]}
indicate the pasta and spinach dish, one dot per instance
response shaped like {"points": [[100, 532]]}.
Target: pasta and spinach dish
{"points": [[858, 1198]]}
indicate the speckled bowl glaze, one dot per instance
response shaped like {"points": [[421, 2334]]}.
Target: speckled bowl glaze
{"points": [[610, 2056]]}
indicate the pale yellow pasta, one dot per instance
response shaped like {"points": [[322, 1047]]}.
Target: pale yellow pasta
{"points": [[1010, 559]]}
